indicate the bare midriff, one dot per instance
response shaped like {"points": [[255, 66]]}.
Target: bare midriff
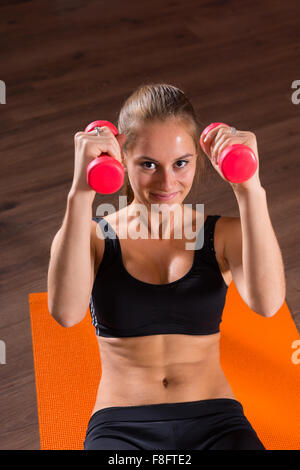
{"points": [[161, 368]]}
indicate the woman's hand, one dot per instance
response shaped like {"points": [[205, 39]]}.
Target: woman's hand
{"points": [[88, 146], [220, 137]]}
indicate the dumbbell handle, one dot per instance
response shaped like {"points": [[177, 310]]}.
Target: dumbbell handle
{"points": [[104, 174], [237, 162]]}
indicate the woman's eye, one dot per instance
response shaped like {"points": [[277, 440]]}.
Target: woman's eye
{"points": [[151, 163], [145, 163], [184, 161]]}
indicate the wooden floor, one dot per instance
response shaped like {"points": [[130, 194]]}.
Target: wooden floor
{"points": [[68, 62]]}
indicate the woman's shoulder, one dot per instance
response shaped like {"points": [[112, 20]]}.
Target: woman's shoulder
{"points": [[97, 236], [111, 218]]}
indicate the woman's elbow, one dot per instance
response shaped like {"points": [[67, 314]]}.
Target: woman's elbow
{"points": [[273, 310], [65, 320]]}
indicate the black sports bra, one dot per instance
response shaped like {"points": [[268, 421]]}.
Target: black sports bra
{"points": [[123, 306]]}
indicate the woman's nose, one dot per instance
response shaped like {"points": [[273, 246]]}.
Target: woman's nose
{"points": [[167, 181]]}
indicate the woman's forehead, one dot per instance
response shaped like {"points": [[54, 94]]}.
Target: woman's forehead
{"points": [[163, 134]]}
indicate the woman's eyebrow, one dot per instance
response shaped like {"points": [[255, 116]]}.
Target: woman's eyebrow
{"points": [[153, 160]]}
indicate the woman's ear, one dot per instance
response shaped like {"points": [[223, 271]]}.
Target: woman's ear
{"points": [[121, 138]]}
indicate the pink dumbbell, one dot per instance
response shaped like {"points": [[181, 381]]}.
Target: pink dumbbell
{"points": [[237, 162], [104, 174]]}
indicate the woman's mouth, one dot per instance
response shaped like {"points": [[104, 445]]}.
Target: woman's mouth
{"points": [[166, 197]]}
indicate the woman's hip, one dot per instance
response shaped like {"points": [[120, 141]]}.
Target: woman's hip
{"points": [[183, 425]]}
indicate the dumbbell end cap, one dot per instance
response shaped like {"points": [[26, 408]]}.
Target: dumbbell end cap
{"points": [[105, 175], [237, 163]]}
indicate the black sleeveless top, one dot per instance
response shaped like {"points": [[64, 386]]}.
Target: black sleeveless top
{"points": [[123, 306]]}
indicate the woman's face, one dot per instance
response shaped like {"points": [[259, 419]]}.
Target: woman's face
{"points": [[162, 163]]}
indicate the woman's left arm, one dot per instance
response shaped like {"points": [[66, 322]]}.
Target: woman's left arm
{"points": [[251, 248], [250, 242]]}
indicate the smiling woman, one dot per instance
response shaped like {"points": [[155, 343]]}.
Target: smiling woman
{"points": [[155, 305], [159, 336], [161, 176], [164, 196], [159, 104]]}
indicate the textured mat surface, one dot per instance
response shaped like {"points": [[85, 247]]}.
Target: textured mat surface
{"points": [[258, 355]]}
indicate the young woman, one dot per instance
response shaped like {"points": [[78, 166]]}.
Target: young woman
{"points": [[157, 306]]}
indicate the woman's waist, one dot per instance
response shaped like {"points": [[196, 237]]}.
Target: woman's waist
{"points": [[179, 382]]}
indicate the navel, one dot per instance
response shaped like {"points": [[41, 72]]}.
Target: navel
{"points": [[165, 382]]}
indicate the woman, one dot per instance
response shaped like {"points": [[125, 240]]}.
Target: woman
{"points": [[155, 305]]}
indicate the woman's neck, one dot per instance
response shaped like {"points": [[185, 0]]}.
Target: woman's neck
{"points": [[162, 221]]}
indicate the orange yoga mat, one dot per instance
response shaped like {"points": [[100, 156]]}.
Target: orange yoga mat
{"points": [[260, 358]]}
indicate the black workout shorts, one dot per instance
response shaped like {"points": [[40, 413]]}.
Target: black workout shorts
{"points": [[214, 424]]}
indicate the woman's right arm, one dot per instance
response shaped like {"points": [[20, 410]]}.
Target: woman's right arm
{"points": [[72, 261], [73, 250]]}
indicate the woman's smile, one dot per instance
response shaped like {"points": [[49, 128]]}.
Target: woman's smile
{"points": [[166, 197]]}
